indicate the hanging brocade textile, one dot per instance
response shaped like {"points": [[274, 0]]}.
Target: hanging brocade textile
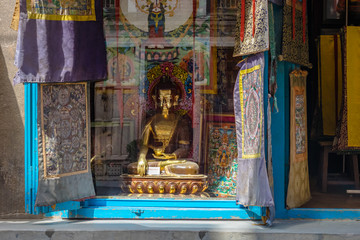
{"points": [[63, 144], [252, 28], [59, 42], [298, 189], [347, 137], [295, 46], [252, 181]]}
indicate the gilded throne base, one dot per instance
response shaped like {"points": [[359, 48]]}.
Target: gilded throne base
{"points": [[153, 184]]}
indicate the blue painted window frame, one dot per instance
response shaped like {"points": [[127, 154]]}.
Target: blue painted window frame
{"points": [[281, 154], [179, 209], [111, 207]]}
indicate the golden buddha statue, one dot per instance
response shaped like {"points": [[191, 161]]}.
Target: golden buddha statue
{"points": [[166, 137], [162, 166]]}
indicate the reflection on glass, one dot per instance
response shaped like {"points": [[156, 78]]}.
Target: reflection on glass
{"points": [[163, 123]]}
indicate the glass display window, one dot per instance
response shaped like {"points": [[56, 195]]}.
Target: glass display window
{"points": [[163, 123]]}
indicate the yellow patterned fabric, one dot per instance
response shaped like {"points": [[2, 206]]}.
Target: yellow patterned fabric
{"points": [[299, 188], [61, 10], [16, 17], [353, 84], [329, 84]]}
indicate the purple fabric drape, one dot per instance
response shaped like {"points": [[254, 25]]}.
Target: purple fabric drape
{"points": [[252, 182], [60, 51]]}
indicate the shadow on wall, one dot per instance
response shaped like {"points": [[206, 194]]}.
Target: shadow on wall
{"points": [[11, 146]]}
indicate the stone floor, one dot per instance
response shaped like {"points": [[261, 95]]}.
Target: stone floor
{"points": [[44, 229]]}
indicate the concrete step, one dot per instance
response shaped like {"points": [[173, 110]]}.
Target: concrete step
{"points": [[56, 229]]}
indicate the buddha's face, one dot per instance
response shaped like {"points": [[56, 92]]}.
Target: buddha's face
{"points": [[166, 100]]}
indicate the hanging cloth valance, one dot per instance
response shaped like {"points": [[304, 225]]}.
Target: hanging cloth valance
{"points": [[60, 51], [252, 28], [295, 46]]}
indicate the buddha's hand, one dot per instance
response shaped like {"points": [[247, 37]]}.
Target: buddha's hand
{"points": [[165, 156], [142, 165]]}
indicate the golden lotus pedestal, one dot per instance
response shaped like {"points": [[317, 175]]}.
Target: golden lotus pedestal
{"points": [[162, 184]]}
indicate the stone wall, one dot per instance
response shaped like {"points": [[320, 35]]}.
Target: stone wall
{"points": [[11, 122]]}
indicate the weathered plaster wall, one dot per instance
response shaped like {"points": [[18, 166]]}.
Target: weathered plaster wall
{"points": [[11, 122]]}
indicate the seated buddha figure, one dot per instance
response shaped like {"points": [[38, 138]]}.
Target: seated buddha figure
{"points": [[166, 136]]}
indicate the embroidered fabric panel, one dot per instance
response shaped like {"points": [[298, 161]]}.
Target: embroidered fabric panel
{"points": [[63, 144], [222, 159], [299, 187], [260, 41], [65, 10], [251, 91], [294, 50], [64, 129], [300, 124], [252, 187]]}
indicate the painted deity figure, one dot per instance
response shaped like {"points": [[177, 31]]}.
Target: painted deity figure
{"points": [[166, 137], [156, 20]]}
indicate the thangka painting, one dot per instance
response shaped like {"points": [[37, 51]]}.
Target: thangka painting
{"points": [[299, 188], [161, 31], [253, 187], [295, 46], [64, 127], [252, 27], [123, 67], [64, 144], [63, 10], [221, 162]]}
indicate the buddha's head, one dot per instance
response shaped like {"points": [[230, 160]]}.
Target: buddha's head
{"points": [[166, 96]]}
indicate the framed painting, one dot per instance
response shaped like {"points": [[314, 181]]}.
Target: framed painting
{"points": [[221, 155], [331, 13]]}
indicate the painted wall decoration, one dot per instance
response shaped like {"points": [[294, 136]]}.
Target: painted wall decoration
{"points": [[221, 160], [299, 188], [252, 27], [65, 10]]}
